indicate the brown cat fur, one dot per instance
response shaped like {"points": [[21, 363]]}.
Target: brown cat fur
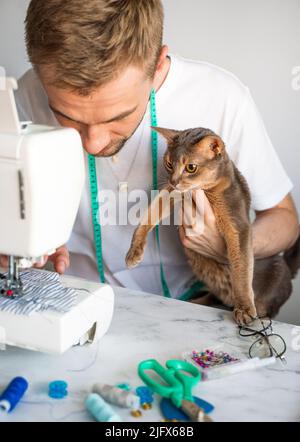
{"points": [[251, 287]]}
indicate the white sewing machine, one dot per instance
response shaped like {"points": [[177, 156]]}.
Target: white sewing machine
{"points": [[41, 180]]}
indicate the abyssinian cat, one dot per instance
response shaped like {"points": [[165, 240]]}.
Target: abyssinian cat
{"points": [[197, 158]]}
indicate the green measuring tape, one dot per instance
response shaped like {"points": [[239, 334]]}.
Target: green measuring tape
{"points": [[198, 286], [95, 211], [164, 284]]}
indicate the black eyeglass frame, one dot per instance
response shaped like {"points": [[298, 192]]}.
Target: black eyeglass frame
{"points": [[263, 335]]}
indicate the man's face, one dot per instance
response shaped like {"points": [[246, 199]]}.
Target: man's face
{"points": [[109, 116]]}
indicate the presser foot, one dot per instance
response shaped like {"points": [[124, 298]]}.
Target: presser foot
{"points": [[10, 283], [10, 291]]}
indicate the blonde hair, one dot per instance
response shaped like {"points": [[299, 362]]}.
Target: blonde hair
{"points": [[86, 43]]}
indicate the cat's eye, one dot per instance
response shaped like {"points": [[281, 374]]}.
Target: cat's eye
{"points": [[168, 165], [191, 168]]}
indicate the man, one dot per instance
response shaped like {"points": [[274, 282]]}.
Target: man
{"points": [[95, 64]]}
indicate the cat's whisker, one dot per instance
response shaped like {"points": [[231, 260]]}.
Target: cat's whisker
{"points": [[163, 181], [162, 184]]}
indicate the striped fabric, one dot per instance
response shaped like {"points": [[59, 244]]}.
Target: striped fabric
{"points": [[42, 291]]}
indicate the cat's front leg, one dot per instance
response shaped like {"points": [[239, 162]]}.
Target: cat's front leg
{"points": [[159, 209], [240, 254], [244, 313], [136, 252], [244, 307]]}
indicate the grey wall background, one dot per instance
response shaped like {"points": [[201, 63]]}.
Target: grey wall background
{"points": [[258, 40]]}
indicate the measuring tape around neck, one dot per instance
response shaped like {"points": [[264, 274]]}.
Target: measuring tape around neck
{"points": [[95, 210], [154, 139], [95, 214]]}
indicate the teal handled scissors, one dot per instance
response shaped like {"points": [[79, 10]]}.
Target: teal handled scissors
{"points": [[178, 386]]}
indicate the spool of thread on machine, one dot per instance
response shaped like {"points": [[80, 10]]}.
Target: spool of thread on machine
{"points": [[117, 396], [101, 411], [13, 394]]}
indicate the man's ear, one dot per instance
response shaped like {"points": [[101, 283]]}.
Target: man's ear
{"points": [[213, 146], [168, 134]]}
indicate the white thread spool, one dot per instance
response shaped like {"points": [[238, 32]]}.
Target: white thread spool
{"points": [[117, 396]]}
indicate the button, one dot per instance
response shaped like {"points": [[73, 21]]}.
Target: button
{"points": [[123, 187]]}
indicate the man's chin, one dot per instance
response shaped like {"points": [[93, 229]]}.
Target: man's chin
{"points": [[110, 151]]}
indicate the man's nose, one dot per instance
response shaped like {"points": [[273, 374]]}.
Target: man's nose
{"points": [[95, 139]]}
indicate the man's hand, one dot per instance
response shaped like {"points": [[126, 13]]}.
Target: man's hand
{"points": [[199, 232], [269, 236], [60, 260]]}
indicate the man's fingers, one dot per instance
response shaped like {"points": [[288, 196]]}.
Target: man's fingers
{"points": [[181, 233], [41, 264], [193, 209], [61, 259], [204, 207], [186, 242], [60, 266], [199, 198], [3, 261]]}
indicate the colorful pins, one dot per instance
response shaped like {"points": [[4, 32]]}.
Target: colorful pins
{"points": [[209, 358]]}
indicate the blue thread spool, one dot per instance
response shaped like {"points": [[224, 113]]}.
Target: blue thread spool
{"points": [[13, 394], [58, 389], [101, 411], [145, 394]]}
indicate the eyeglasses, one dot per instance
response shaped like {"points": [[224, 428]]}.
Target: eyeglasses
{"points": [[267, 343]]}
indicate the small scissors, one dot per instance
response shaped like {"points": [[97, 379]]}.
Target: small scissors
{"points": [[179, 386]]}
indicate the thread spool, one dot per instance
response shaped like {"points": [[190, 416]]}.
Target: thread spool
{"points": [[117, 396], [13, 394], [58, 389], [146, 397], [101, 411]]}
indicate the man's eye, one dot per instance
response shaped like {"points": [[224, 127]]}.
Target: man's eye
{"points": [[168, 165], [191, 168]]}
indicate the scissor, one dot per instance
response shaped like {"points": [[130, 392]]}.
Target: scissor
{"points": [[178, 386]]}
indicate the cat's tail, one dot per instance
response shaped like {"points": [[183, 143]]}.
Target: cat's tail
{"points": [[292, 257]]}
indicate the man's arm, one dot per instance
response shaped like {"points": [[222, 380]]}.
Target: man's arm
{"points": [[274, 230]]}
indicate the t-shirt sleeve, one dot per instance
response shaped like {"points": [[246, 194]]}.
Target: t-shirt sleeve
{"points": [[22, 98], [256, 158]]}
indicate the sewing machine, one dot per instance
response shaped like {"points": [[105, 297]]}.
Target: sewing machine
{"points": [[41, 180]]}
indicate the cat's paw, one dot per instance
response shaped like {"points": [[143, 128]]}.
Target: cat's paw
{"points": [[244, 315], [134, 256]]}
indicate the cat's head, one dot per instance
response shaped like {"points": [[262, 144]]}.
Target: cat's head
{"points": [[194, 158]]}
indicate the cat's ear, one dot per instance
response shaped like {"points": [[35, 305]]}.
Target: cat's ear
{"points": [[168, 134], [214, 146]]}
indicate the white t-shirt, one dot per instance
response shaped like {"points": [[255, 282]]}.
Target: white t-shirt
{"points": [[194, 94]]}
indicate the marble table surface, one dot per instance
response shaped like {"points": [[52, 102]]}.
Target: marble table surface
{"points": [[146, 326]]}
